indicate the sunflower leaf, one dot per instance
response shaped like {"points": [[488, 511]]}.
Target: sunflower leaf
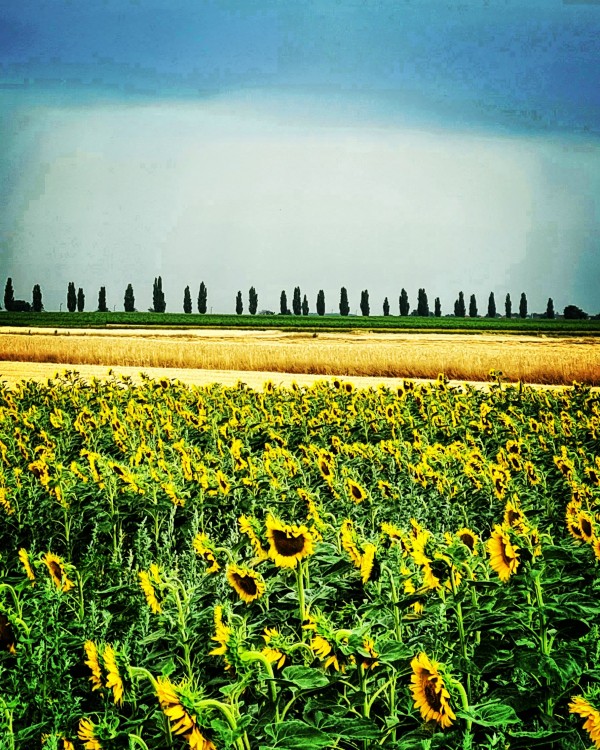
{"points": [[491, 714], [304, 678], [296, 735]]}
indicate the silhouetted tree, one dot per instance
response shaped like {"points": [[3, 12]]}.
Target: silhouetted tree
{"points": [[283, 306], [296, 301], [550, 309], [202, 298], [71, 297], [36, 301], [321, 302], [239, 305], [472, 307], [364, 303], [459, 306], [508, 306], [158, 297], [437, 308], [523, 306], [9, 295], [572, 312], [386, 307], [187, 301], [304, 305], [80, 300], [252, 301], [102, 300], [129, 299], [404, 305], [344, 306], [422, 304], [491, 313]]}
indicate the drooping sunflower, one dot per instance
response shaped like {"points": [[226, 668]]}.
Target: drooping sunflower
{"points": [[87, 734], [579, 705], [182, 722], [93, 663], [325, 464], [504, 559], [56, 568], [369, 654], [288, 543], [348, 542], [222, 635], [25, 562], [149, 592], [248, 585], [514, 516], [430, 694], [203, 547], [468, 538], [596, 547], [369, 568], [272, 650], [355, 491], [113, 677], [247, 528]]}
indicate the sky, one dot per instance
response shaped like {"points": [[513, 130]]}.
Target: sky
{"points": [[451, 145]]}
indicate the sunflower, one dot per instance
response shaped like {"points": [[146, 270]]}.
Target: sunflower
{"points": [[368, 563], [203, 547], [514, 516], [596, 547], [579, 705], [325, 464], [182, 722], [224, 485], [272, 650], [429, 692], [288, 544], [468, 538], [356, 492], [248, 529], [92, 662], [504, 559], [113, 679], [369, 654], [585, 523], [56, 568], [222, 636], [248, 585], [348, 542], [24, 558], [87, 734], [149, 592]]}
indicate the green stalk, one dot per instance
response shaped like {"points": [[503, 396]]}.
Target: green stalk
{"points": [[463, 698], [301, 600], [8, 716], [461, 629], [396, 611], [257, 656], [134, 739]]}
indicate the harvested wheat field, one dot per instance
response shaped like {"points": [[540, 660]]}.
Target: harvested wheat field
{"points": [[464, 357]]}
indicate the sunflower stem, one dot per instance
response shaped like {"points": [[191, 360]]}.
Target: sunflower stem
{"points": [[464, 700], [300, 589], [257, 656], [135, 739], [461, 629], [396, 611]]}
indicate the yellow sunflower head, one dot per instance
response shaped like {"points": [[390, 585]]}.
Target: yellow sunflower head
{"points": [[585, 523], [248, 585], [504, 558], [56, 568], [356, 491], [430, 694], [514, 516], [287, 543], [581, 706], [204, 549]]}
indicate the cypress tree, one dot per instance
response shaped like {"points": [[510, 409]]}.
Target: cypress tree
{"points": [[344, 306], [550, 309], [71, 297], [508, 306], [438, 308], [36, 302], [404, 305], [364, 303], [80, 300], [304, 305], [472, 307], [459, 306], [252, 301], [202, 298], [9, 295], [321, 302], [283, 308], [296, 301], [239, 305], [491, 313], [386, 307], [158, 298], [102, 300], [129, 299], [523, 306], [187, 300], [422, 304]]}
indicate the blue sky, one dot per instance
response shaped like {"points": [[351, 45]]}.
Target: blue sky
{"points": [[401, 143]]}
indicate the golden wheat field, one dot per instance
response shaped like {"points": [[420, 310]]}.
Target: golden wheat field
{"points": [[544, 360]]}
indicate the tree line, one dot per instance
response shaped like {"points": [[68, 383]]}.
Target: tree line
{"points": [[300, 304]]}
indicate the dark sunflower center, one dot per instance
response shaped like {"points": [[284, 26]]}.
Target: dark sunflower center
{"points": [[288, 546], [325, 470], [586, 527], [514, 517], [356, 492], [246, 583], [468, 540], [433, 698], [56, 570], [504, 552]]}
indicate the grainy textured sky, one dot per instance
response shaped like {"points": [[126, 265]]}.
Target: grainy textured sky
{"points": [[452, 145]]}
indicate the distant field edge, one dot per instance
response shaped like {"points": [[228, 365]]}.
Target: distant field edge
{"points": [[531, 326]]}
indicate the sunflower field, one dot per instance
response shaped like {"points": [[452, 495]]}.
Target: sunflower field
{"points": [[304, 568]]}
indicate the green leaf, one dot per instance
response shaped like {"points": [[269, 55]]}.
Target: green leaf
{"points": [[296, 735], [492, 714], [352, 729], [392, 651], [305, 678]]}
